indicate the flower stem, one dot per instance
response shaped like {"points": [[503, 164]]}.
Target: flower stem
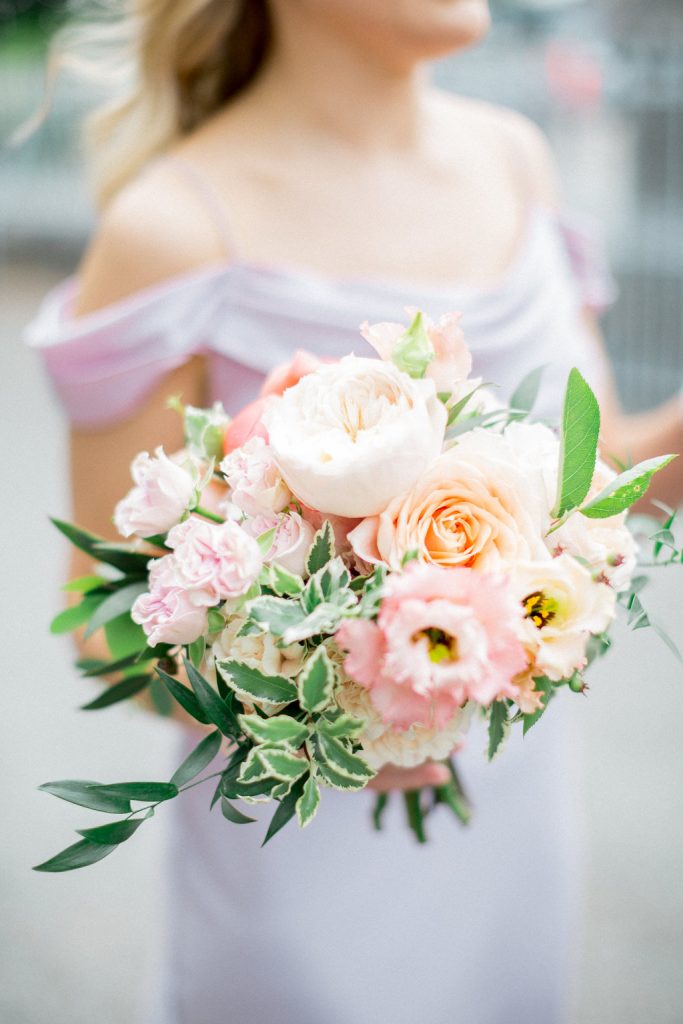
{"points": [[209, 515]]}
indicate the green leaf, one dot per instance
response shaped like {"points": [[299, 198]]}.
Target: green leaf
{"points": [[316, 682], [128, 687], [77, 856], [340, 758], [337, 780], [105, 668], [578, 445], [252, 684], [285, 811], [322, 549], [308, 803], [276, 614], [282, 764], [544, 686], [278, 729], [343, 726], [124, 636], [153, 792], [523, 398], [115, 832], [84, 584], [232, 814], [626, 489], [118, 603], [101, 550], [497, 726], [211, 703], [216, 620], [204, 430], [196, 650], [323, 619], [265, 541], [413, 352], [77, 615], [160, 698], [202, 756], [184, 697], [666, 639], [284, 583], [381, 802], [460, 406], [415, 814], [87, 794]]}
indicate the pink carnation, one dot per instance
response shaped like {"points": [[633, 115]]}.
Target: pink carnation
{"points": [[442, 637], [169, 614], [163, 492], [220, 560], [254, 479]]}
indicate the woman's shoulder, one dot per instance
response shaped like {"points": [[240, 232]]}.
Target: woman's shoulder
{"points": [[152, 231], [517, 139]]}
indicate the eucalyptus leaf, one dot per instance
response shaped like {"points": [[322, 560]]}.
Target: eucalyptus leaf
{"points": [[231, 813], [80, 855], [128, 687], [578, 444], [625, 490], [115, 832], [184, 697], [199, 759], [115, 604], [523, 398], [211, 703], [87, 794], [285, 811]]}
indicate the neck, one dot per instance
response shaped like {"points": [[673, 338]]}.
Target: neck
{"points": [[339, 86]]}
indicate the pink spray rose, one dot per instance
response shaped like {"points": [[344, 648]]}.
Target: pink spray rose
{"points": [[169, 614], [162, 494], [452, 362], [219, 560], [442, 637], [291, 542], [254, 479]]}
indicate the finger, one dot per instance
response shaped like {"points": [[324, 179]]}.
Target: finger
{"points": [[391, 777]]}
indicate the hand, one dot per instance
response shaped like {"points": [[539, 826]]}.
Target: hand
{"points": [[428, 774]]}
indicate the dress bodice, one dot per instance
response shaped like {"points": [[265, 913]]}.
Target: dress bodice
{"points": [[246, 318]]}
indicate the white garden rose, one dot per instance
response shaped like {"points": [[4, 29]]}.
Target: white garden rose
{"points": [[405, 748], [353, 435], [563, 606]]}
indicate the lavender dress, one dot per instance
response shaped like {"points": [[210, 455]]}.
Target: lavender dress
{"points": [[338, 924]]}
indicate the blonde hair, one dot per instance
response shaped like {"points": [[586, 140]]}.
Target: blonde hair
{"points": [[172, 63]]}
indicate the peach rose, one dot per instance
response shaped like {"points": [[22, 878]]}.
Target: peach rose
{"points": [[474, 506]]}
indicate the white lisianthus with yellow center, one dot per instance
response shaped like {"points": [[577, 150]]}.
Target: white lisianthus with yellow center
{"points": [[563, 605], [353, 435]]}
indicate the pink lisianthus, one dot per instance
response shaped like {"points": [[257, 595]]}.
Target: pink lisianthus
{"points": [[219, 560], [452, 362], [254, 479], [169, 613], [442, 637], [286, 375], [291, 542], [163, 492]]}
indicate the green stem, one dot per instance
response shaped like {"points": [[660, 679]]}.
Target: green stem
{"points": [[201, 511], [378, 811], [415, 814], [183, 789]]}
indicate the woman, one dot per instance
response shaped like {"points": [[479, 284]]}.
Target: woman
{"points": [[280, 172]]}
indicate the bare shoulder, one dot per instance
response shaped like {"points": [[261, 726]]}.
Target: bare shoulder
{"points": [[520, 140], [154, 229]]}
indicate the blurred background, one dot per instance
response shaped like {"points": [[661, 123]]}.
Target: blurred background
{"points": [[605, 81]]}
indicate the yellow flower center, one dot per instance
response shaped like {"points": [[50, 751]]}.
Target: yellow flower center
{"points": [[540, 608], [441, 645]]}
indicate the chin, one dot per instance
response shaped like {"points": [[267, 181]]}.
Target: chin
{"points": [[441, 27]]}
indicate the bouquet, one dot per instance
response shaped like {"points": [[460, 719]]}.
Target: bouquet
{"points": [[369, 557]]}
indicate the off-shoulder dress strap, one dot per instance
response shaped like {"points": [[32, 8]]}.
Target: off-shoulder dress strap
{"points": [[207, 195]]}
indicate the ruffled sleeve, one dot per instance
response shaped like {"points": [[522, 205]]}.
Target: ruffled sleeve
{"points": [[587, 256], [102, 365]]}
